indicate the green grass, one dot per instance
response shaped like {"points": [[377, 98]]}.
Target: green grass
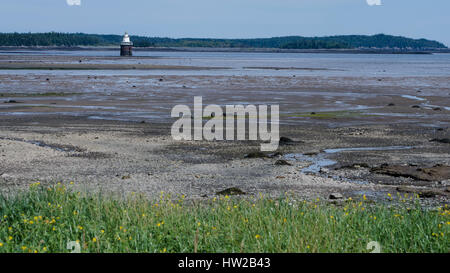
{"points": [[45, 219]]}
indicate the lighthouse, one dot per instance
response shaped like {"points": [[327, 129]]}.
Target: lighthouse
{"points": [[126, 47]]}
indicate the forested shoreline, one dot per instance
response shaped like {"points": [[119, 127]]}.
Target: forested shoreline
{"points": [[380, 41]]}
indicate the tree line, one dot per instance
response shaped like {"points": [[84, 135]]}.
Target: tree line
{"points": [[288, 42]]}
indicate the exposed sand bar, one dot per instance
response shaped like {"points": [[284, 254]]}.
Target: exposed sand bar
{"points": [[85, 66]]}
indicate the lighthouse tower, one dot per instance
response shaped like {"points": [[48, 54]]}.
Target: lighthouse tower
{"points": [[126, 47]]}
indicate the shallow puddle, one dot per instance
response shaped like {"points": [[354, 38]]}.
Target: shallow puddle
{"points": [[321, 160]]}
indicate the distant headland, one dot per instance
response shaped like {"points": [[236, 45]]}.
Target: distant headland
{"points": [[379, 43]]}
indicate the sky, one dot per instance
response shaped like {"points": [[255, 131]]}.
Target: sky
{"points": [[230, 18]]}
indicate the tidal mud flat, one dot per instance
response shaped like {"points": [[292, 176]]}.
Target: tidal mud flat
{"points": [[346, 132]]}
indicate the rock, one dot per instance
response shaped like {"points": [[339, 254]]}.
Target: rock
{"points": [[275, 155], [355, 166], [435, 173], [126, 177], [282, 162], [256, 155], [231, 191], [287, 141], [423, 193], [280, 177], [336, 196], [311, 153], [441, 140]]}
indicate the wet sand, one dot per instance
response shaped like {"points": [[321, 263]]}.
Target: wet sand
{"points": [[111, 132]]}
